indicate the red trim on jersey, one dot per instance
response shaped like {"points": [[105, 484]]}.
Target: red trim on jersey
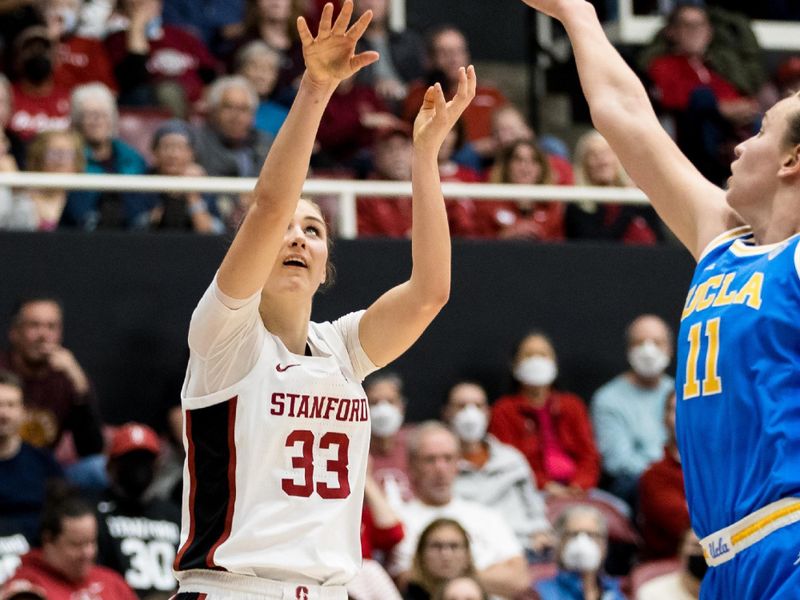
{"points": [[192, 491], [231, 482]]}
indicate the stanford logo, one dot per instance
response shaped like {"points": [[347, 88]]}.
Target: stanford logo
{"points": [[301, 593]]}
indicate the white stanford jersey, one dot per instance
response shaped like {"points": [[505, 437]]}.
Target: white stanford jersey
{"points": [[275, 462]]}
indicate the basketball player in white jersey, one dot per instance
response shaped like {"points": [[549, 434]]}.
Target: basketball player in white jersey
{"points": [[276, 421]]}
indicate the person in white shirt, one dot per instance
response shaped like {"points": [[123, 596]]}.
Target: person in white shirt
{"points": [[276, 421], [433, 453]]}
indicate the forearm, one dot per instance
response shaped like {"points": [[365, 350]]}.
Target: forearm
{"points": [[284, 171], [612, 89], [430, 233], [507, 579]]}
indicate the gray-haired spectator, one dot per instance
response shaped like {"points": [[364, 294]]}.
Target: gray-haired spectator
{"points": [[94, 115], [493, 473], [260, 65], [582, 535], [173, 154], [229, 145]]}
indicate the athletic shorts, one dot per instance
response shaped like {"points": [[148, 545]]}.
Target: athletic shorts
{"points": [[214, 585], [767, 570]]}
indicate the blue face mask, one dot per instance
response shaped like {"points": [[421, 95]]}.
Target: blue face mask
{"points": [[153, 28], [69, 19]]}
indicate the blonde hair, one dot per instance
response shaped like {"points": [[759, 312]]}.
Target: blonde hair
{"points": [[34, 157], [582, 148]]}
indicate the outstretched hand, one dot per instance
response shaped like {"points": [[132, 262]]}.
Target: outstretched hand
{"points": [[437, 116], [330, 57]]}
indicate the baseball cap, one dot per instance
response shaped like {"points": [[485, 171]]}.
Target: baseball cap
{"points": [[131, 437]]}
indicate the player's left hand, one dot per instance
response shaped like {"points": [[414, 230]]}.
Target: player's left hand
{"points": [[330, 57], [437, 117]]}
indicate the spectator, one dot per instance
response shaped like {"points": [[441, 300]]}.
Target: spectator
{"points": [[711, 114], [173, 154], [462, 588], [628, 411], [229, 145], [493, 473], [273, 22], [510, 126], [24, 473], [596, 164], [402, 55], [663, 512], [387, 448], [215, 22], [64, 568], [550, 427], [788, 76], [157, 64], [259, 64], [352, 118], [38, 209], [683, 584], [79, 59], [40, 102], [137, 537], [443, 553], [95, 117], [58, 393], [447, 52], [433, 458], [523, 163], [582, 543], [381, 216]]}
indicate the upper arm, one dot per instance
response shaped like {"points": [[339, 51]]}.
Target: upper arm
{"points": [[692, 207], [393, 323]]}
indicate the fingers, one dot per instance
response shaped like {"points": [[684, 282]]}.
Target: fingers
{"points": [[359, 27], [466, 84], [340, 26], [428, 100], [304, 32], [359, 61], [439, 103], [325, 20]]}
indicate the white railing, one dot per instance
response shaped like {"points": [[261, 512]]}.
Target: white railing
{"points": [[345, 190]]}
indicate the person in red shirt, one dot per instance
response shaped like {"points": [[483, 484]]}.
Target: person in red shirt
{"points": [[157, 64], [79, 59], [64, 567], [550, 427], [40, 102], [524, 162], [663, 512], [711, 114], [448, 52], [388, 216]]}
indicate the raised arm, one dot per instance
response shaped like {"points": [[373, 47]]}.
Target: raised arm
{"points": [[329, 58], [398, 317], [694, 209]]}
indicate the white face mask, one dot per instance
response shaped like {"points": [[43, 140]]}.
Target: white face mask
{"points": [[581, 554], [648, 360], [385, 419], [536, 371], [470, 423]]}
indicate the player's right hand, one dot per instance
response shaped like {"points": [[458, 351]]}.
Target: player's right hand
{"points": [[330, 57], [436, 116]]}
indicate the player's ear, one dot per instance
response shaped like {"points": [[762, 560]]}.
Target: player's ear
{"points": [[790, 166]]}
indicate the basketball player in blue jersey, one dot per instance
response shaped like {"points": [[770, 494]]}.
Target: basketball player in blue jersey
{"points": [[738, 375], [276, 420]]}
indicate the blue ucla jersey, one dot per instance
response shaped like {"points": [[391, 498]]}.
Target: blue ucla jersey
{"points": [[738, 379]]}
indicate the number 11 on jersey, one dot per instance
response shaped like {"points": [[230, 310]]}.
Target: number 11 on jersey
{"points": [[712, 383]]}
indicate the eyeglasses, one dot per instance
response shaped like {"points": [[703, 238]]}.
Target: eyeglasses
{"points": [[442, 546]]}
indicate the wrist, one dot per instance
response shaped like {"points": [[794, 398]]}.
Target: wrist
{"points": [[321, 88]]}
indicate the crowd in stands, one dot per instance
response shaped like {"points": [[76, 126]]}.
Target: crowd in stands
{"points": [[187, 89], [537, 494]]}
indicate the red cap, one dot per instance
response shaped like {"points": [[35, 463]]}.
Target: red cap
{"points": [[134, 436]]}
